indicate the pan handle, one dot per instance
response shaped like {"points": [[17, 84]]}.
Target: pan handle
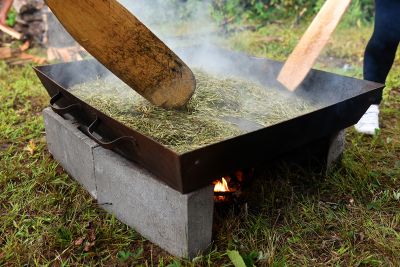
{"points": [[107, 145], [63, 110]]}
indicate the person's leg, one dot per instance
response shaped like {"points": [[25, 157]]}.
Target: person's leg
{"points": [[379, 56], [378, 60]]}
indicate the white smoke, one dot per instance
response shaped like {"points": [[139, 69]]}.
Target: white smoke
{"points": [[174, 21], [185, 24]]}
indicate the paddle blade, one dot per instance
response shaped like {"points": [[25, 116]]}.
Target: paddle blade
{"points": [[312, 43], [125, 46]]}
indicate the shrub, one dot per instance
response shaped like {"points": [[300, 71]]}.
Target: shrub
{"points": [[270, 10]]}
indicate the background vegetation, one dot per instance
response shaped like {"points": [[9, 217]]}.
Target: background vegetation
{"points": [[270, 10]]}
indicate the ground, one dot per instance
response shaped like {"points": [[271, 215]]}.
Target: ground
{"points": [[349, 216]]}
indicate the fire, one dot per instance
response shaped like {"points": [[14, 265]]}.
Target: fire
{"points": [[221, 186], [228, 189]]}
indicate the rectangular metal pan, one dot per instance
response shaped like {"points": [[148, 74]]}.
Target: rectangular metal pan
{"points": [[347, 99]]}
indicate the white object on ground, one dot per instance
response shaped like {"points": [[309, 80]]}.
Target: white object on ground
{"points": [[369, 122]]}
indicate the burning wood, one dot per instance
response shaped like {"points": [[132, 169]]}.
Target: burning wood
{"points": [[221, 186], [229, 189]]}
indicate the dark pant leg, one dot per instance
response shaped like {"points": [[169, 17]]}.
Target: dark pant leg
{"points": [[379, 57], [381, 49]]}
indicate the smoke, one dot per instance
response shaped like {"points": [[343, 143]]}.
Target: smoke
{"points": [[175, 21], [182, 24], [188, 28], [57, 36]]}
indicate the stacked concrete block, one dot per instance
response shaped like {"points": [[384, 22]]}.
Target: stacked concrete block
{"points": [[72, 149], [179, 223]]}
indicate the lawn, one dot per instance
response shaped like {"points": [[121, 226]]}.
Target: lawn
{"points": [[298, 216]]}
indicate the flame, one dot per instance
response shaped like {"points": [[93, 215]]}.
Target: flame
{"points": [[221, 186]]}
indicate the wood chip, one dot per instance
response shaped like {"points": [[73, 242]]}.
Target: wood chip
{"points": [[13, 33]]}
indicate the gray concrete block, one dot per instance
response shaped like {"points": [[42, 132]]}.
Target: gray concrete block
{"points": [[180, 224], [71, 148], [336, 148]]}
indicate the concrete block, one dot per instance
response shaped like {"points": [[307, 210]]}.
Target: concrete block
{"points": [[336, 148], [71, 148], [180, 224]]}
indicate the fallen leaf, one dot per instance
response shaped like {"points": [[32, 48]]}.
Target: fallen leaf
{"points": [[79, 241], [88, 246], [92, 235], [24, 47], [31, 147], [91, 232], [59, 170]]}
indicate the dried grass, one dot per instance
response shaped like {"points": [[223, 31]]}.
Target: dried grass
{"points": [[213, 114]]}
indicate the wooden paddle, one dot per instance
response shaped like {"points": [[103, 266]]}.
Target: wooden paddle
{"points": [[311, 44], [116, 38]]}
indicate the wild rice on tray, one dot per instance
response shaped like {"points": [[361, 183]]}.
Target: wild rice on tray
{"points": [[209, 117]]}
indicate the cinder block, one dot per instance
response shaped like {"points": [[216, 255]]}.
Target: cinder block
{"points": [[180, 224], [336, 148], [71, 148]]}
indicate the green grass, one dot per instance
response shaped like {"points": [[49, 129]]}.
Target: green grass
{"points": [[298, 216]]}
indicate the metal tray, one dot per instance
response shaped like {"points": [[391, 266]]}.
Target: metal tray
{"points": [[346, 100]]}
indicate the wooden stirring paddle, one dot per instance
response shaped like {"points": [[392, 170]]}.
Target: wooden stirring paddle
{"points": [[311, 44], [125, 46]]}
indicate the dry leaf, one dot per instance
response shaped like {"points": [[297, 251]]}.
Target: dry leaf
{"points": [[91, 232], [88, 246], [92, 235], [31, 147], [79, 241]]}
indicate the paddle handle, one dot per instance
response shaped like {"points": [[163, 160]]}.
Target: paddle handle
{"points": [[303, 57]]}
